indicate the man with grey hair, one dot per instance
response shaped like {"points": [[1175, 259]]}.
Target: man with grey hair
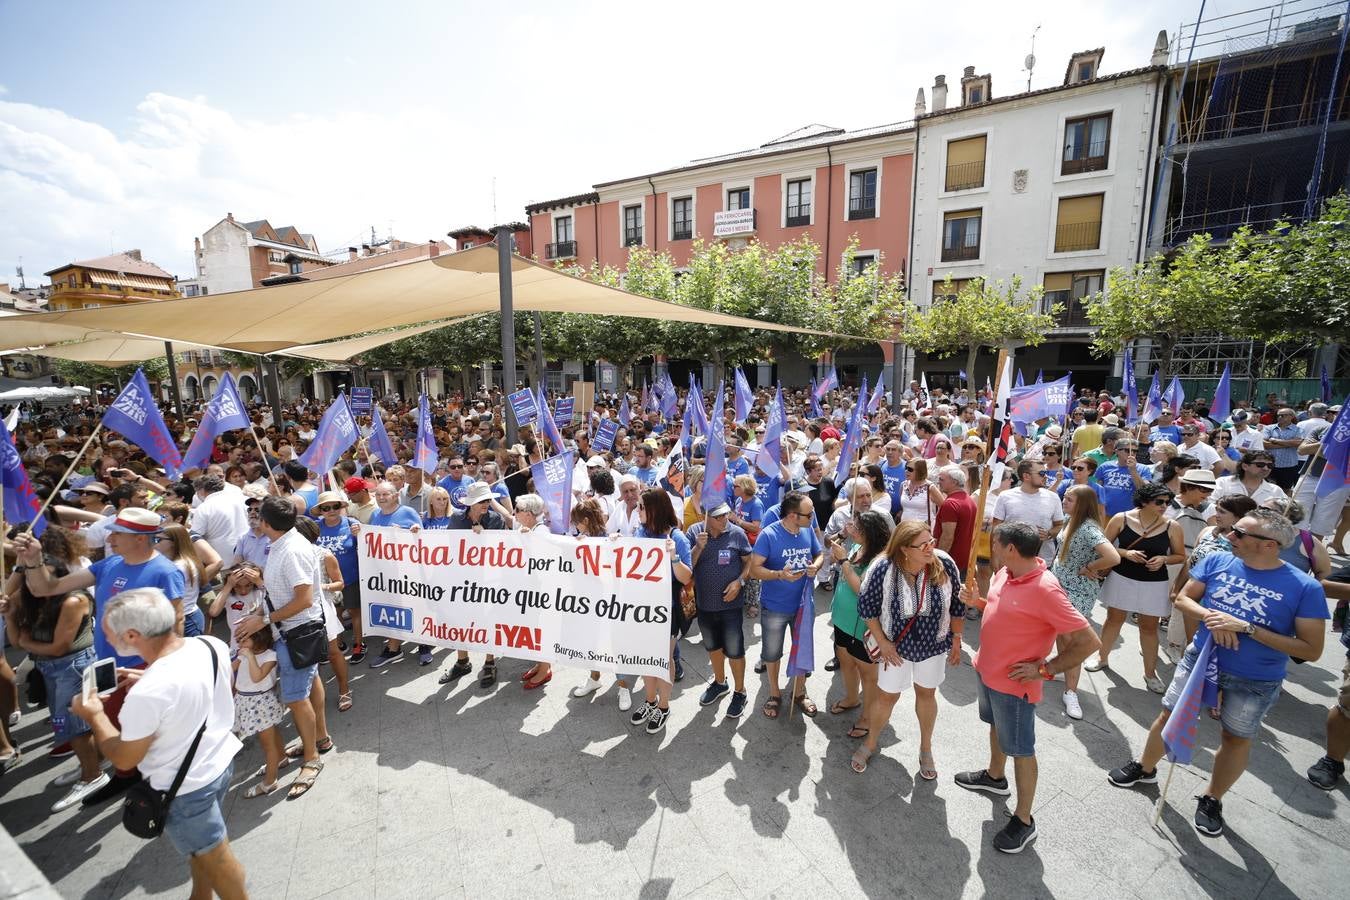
{"points": [[1316, 420], [179, 707], [954, 527], [1259, 612], [221, 519], [624, 520]]}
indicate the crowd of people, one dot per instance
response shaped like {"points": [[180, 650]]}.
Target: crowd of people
{"points": [[1216, 534]]}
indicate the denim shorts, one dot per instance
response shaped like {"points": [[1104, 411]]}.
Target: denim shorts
{"points": [[194, 621], [773, 628], [722, 631], [295, 683], [196, 822], [1013, 718], [1243, 703], [65, 679]]}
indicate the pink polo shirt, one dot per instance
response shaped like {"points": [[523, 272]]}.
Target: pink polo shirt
{"points": [[1021, 620]]}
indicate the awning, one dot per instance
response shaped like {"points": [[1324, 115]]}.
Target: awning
{"points": [[112, 350], [267, 320], [341, 351]]}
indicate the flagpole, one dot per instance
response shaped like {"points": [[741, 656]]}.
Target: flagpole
{"points": [[263, 453], [56, 491], [1162, 798], [986, 475], [1312, 460]]}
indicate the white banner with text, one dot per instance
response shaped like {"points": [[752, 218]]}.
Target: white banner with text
{"points": [[596, 603]]}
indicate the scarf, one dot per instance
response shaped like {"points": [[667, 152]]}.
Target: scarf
{"points": [[900, 602]]}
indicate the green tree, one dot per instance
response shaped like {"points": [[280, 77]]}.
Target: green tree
{"points": [[91, 375], [978, 315]]}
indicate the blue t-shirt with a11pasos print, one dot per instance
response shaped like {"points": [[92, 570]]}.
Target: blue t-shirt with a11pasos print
{"points": [[784, 551]]}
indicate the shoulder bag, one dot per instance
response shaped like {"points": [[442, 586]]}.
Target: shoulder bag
{"points": [[307, 643], [145, 809]]}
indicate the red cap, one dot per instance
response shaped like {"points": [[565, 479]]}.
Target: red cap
{"points": [[352, 485]]}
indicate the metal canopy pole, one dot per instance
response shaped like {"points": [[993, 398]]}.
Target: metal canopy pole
{"points": [[173, 381], [539, 349], [508, 323]]}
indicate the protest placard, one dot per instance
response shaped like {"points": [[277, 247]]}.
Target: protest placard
{"points": [[523, 406], [363, 398], [596, 603]]}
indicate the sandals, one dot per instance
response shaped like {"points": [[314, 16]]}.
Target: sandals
{"points": [[806, 705], [262, 790], [839, 707], [297, 750], [262, 770], [927, 767], [859, 761], [771, 707], [488, 677], [344, 701], [858, 732], [302, 783], [461, 668]]}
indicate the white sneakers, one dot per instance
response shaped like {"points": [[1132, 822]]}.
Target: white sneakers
{"points": [[585, 690], [79, 791], [14, 718], [625, 699], [1072, 708], [1155, 684], [66, 779]]}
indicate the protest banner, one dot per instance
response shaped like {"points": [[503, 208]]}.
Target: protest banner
{"points": [[564, 409], [597, 603], [363, 400], [604, 436], [523, 406]]}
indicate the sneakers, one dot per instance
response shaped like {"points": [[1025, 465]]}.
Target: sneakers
{"points": [[657, 719], [641, 713], [1072, 708], [832, 665], [66, 779], [1155, 684], [358, 654], [712, 693], [1015, 835], [1130, 774], [385, 658], [14, 718], [737, 705], [1326, 773], [112, 787], [982, 781], [590, 686], [1208, 816], [760, 667], [80, 790], [625, 699], [679, 669], [461, 668], [424, 657]]}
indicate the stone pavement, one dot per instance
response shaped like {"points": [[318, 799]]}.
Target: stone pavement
{"points": [[440, 791]]}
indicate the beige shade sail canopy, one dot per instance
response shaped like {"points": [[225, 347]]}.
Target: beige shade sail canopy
{"points": [[111, 350], [341, 351], [267, 320]]}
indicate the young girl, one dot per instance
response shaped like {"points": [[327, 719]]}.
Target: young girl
{"points": [[240, 596], [176, 543], [256, 707]]}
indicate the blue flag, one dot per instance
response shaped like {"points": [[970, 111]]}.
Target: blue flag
{"points": [[826, 384], [224, 413], [605, 433], [1174, 396], [1040, 376], [964, 378], [851, 437], [1040, 400], [815, 402], [1153, 405], [1223, 404], [336, 432], [695, 399], [670, 398], [625, 414], [553, 482], [21, 502], [1326, 385], [134, 416], [769, 459], [1336, 451], [1019, 382], [686, 428], [1201, 690], [380, 444], [549, 426], [1131, 389], [647, 401], [802, 659], [878, 393], [745, 398], [425, 456], [715, 457]]}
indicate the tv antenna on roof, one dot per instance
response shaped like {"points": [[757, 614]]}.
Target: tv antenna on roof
{"points": [[18, 270], [1029, 63]]}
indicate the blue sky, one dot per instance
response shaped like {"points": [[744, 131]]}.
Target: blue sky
{"points": [[136, 124]]}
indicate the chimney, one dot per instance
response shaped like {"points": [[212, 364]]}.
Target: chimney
{"points": [[920, 105], [365, 249], [197, 245], [229, 217], [134, 254], [435, 246], [974, 88], [351, 254], [939, 93], [1160, 50]]}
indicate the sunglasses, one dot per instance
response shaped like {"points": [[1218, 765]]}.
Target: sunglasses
{"points": [[1079, 468], [926, 545], [452, 466], [1160, 501], [331, 507], [1259, 465], [1238, 532]]}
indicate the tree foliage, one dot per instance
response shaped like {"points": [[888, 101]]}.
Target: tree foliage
{"points": [[90, 375], [980, 314]]}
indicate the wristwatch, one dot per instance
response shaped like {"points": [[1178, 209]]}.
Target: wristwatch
{"points": [[267, 619], [1250, 629], [1044, 669]]}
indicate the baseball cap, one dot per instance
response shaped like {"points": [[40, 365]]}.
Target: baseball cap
{"points": [[355, 484]]}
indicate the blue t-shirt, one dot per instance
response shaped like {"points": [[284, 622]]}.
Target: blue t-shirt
{"points": [[895, 478], [750, 510], [646, 476], [1068, 483], [112, 576], [339, 541], [1165, 433], [683, 550], [311, 495], [768, 491], [783, 550], [437, 523], [1117, 485], [735, 467], [456, 488], [1271, 598], [403, 517]]}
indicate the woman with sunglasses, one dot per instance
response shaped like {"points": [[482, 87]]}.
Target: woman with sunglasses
{"points": [[1085, 556], [1081, 471], [657, 515], [1148, 542], [175, 543], [863, 539], [1249, 478], [1228, 455], [911, 602]]}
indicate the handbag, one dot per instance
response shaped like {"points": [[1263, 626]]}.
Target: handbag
{"points": [[688, 605], [306, 644], [36, 687], [146, 809]]}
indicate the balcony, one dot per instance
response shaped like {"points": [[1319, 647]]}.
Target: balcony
{"points": [[862, 208], [560, 250], [632, 237], [1078, 236], [681, 230], [1093, 160], [960, 253], [1071, 314], [965, 176], [797, 216]]}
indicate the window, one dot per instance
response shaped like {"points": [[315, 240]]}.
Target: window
{"points": [[205, 290], [862, 194], [945, 290], [965, 163], [1087, 71], [274, 256], [859, 263], [681, 218], [1079, 223], [975, 94], [799, 202], [1086, 144], [632, 226], [295, 266], [91, 306], [1068, 290], [961, 235], [562, 229], [738, 198]]}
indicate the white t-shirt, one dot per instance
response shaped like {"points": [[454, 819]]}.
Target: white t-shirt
{"points": [[1247, 440], [96, 535], [1231, 485], [221, 520], [170, 701], [1042, 510], [1203, 452], [243, 678]]}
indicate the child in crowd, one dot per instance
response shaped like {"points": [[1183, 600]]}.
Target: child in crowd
{"points": [[256, 707], [239, 597]]}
